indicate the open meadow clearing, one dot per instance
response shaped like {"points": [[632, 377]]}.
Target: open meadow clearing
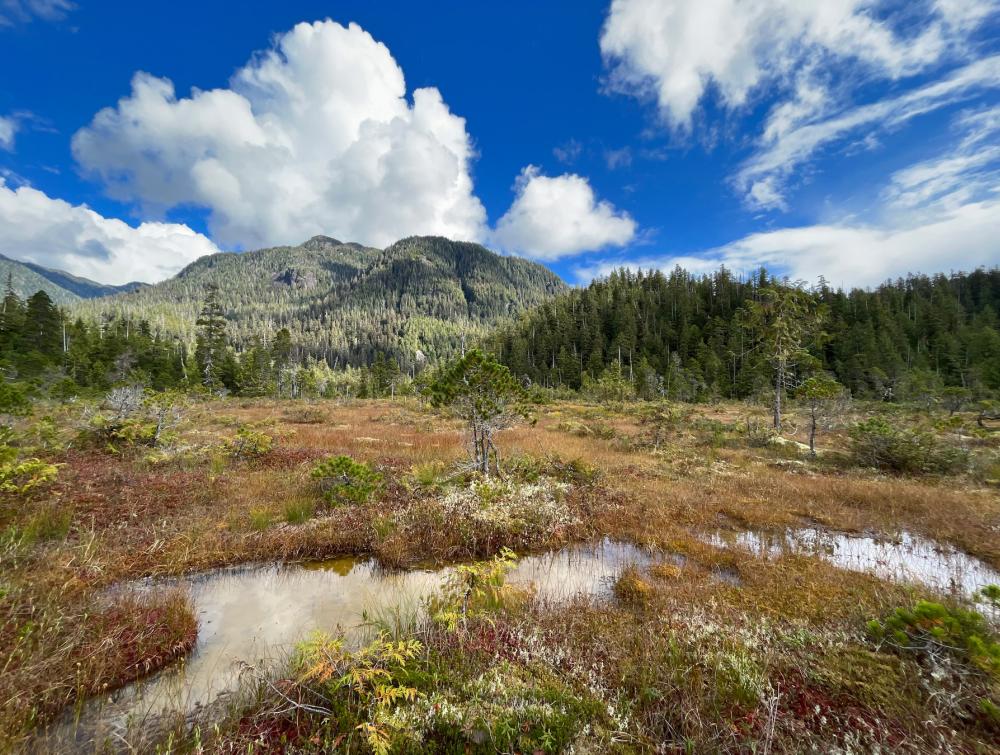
{"points": [[682, 585]]}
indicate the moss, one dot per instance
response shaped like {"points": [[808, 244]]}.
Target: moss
{"points": [[876, 681], [632, 589]]}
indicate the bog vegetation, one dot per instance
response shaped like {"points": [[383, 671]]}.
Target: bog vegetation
{"points": [[660, 410]]}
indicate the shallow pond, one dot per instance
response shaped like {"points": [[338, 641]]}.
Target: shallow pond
{"points": [[259, 613], [906, 558]]}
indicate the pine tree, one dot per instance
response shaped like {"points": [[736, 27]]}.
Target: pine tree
{"points": [[212, 341]]}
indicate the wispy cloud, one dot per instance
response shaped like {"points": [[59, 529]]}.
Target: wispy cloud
{"points": [[568, 152], [960, 238], [23, 11], [783, 150], [969, 170], [618, 158], [8, 129]]}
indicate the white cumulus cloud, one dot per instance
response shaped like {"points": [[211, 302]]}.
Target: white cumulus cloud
{"points": [[553, 217], [54, 233], [315, 135]]}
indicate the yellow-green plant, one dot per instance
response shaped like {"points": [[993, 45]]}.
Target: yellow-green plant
{"points": [[368, 680], [19, 476], [250, 443], [474, 590]]}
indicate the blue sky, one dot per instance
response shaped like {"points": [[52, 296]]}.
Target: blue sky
{"points": [[857, 139]]}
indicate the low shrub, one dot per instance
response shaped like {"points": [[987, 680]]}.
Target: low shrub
{"points": [[932, 626], [486, 515], [528, 468], [475, 590], [306, 415], [430, 475], [367, 685], [250, 443], [876, 443], [344, 480], [260, 519], [20, 476]]}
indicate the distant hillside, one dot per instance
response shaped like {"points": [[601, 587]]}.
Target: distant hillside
{"points": [[345, 302], [63, 288], [686, 336]]}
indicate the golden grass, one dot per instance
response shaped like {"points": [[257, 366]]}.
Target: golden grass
{"points": [[133, 518]]}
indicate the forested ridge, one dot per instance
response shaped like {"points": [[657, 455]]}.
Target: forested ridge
{"points": [[343, 303], [25, 278], [691, 337]]}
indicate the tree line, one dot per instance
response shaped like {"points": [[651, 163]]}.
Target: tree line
{"points": [[690, 338], [44, 351], [647, 334]]}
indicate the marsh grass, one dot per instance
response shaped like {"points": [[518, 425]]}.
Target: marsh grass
{"points": [[299, 511], [699, 663]]}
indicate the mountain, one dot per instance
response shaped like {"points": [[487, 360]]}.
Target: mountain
{"points": [[343, 301], [63, 288]]}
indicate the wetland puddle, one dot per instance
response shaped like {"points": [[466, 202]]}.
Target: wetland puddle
{"points": [[258, 613], [906, 558]]}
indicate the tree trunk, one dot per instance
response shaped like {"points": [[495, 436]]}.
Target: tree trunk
{"points": [[779, 385], [812, 433]]}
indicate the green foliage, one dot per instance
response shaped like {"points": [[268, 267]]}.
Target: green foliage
{"points": [[430, 475], [935, 626], [260, 519], [879, 444], [484, 394], [611, 386], [14, 399], [659, 422], [344, 480], [369, 683], [250, 443], [696, 334], [475, 591], [506, 707], [48, 523], [299, 511], [632, 589], [20, 476], [414, 302]]}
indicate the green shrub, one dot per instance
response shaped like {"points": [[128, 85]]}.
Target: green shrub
{"points": [[19, 476], [430, 475], [306, 415], [632, 589], [250, 443], [876, 443], [344, 480], [14, 399], [932, 625], [369, 683]]}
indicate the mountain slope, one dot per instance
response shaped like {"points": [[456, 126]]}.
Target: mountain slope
{"points": [[345, 302], [62, 288], [688, 337], [82, 287]]}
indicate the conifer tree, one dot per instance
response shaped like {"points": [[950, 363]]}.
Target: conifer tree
{"points": [[212, 340]]}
